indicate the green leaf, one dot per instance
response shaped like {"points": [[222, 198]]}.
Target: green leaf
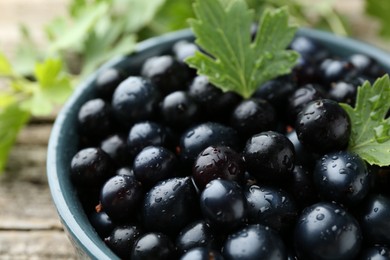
{"points": [[53, 87], [380, 10], [235, 62], [142, 12], [76, 33], [370, 137], [27, 53], [101, 49], [5, 66], [173, 15], [12, 119]]}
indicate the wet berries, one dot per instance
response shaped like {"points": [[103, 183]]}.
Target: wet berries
{"points": [[171, 167], [323, 126]]}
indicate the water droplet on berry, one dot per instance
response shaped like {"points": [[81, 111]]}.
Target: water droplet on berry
{"points": [[320, 216]]}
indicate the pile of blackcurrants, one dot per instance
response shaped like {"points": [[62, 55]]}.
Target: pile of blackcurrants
{"points": [[171, 167]]}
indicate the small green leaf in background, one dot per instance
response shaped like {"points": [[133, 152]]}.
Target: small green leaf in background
{"points": [[75, 34], [370, 137], [5, 66], [12, 119], [380, 10], [27, 53], [235, 62], [173, 15], [52, 87]]}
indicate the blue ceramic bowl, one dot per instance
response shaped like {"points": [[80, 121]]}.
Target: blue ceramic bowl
{"points": [[63, 139]]}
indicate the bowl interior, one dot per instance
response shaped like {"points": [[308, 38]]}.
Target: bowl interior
{"points": [[63, 140]]}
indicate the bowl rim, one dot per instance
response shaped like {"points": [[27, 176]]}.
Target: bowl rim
{"points": [[86, 242]]}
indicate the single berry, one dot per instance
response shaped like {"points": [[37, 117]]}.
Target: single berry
{"points": [[154, 164], [223, 204], [173, 202], [323, 126], [135, 99], [254, 242], [120, 196], [270, 207], [153, 245], [195, 234], [122, 239], [253, 116], [95, 119], [375, 215], [326, 231], [269, 156], [342, 177], [179, 110], [217, 162], [107, 81], [91, 167]]}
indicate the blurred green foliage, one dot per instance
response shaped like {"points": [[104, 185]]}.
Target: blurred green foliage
{"points": [[93, 31]]}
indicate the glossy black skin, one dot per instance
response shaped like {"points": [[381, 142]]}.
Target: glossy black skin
{"points": [[302, 155], [202, 253], [184, 49], [166, 73], [120, 197], [342, 177], [326, 231], [302, 187], [375, 215], [179, 110], [102, 223], [300, 98], [122, 239], [223, 205], [152, 246], [311, 53], [366, 65], [323, 126], [344, 92], [376, 252], [333, 70], [254, 242], [135, 99], [252, 116], [195, 234], [195, 139], [276, 92], [91, 167], [125, 171], [116, 147], [95, 119], [107, 81], [218, 162], [174, 202], [145, 134], [269, 157], [154, 164], [308, 48], [270, 207], [213, 103]]}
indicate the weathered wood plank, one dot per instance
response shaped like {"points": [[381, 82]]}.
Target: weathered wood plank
{"points": [[29, 225], [42, 244]]}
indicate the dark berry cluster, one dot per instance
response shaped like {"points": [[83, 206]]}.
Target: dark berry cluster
{"points": [[171, 167]]}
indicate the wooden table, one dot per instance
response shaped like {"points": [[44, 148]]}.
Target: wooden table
{"points": [[29, 225]]}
